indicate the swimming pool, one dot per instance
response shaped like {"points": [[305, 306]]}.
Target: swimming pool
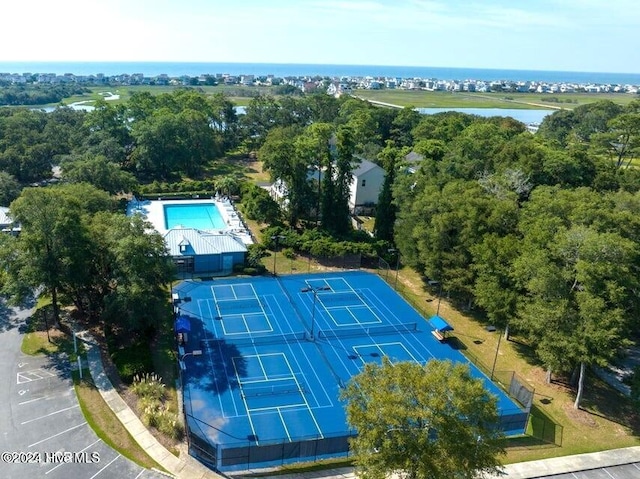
{"points": [[202, 216]]}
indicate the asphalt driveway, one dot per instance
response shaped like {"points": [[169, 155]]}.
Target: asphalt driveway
{"points": [[44, 433]]}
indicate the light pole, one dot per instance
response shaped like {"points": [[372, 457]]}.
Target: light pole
{"points": [[276, 239], [393, 250], [310, 289], [195, 352], [434, 283], [495, 358]]}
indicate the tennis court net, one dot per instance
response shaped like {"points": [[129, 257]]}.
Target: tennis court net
{"points": [[368, 330], [256, 339], [273, 390], [235, 306], [344, 298]]}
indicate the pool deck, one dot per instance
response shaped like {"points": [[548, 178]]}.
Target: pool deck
{"points": [[153, 211]]}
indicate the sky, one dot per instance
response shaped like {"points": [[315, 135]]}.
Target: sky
{"points": [[567, 35]]}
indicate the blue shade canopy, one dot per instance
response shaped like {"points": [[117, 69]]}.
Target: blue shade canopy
{"points": [[440, 324], [183, 325]]}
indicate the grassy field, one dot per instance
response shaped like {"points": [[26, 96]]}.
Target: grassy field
{"points": [[238, 94], [441, 99]]}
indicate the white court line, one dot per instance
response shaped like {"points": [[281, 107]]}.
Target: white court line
{"points": [[264, 371], [231, 317], [224, 370], [222, 287], [364, 305], [302, 406], [284, 425], [309, 363], [246, 407], [305, 400], [62, 463], [208, 314], [106, 465], [50, 414], [397, 344], [58, 434], [414, 334], [357, 322], [266, 380]]}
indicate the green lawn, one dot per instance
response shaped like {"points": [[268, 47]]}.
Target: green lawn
{"points": [[441, 99]]}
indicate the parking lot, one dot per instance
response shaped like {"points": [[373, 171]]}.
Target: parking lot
{"points": [[44, 433]]}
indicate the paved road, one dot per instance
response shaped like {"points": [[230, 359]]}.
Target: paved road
{"points": [[44, 434]]}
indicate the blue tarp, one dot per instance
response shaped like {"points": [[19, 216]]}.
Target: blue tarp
{"points": [[440, 324], [183, 325]]}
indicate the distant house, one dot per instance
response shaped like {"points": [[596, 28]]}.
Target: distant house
{"points": [[6, 223], [366, 185], [413, 161], [195, 251]]}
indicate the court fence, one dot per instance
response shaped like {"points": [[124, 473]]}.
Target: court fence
{"points": [[545, 429], [254, 454]]}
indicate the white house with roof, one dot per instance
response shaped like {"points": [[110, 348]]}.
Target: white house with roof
{"points": [[367, 179], [366, 184]]}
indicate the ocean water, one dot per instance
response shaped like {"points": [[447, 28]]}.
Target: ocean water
{"points": [[177, 69]]}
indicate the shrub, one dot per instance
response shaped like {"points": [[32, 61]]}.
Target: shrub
{"points": [[169, 424], [150, 410], [148, 386], [289, 253]]}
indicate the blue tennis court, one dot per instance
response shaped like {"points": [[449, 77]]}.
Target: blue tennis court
{"points": [[275, 353]]}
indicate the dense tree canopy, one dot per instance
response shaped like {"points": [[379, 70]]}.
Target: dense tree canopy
{"points": [[538, 231], [428, 422], [75, 247]]}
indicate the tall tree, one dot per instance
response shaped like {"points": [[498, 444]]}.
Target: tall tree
{"points": [[385, 220], [343, 177], [288, 171], [100, 172], [53, 247], [426, 422], [576, 272]]}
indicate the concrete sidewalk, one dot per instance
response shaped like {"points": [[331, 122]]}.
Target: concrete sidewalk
{"points": [[524, 470], [183, 467], [569, 464]]}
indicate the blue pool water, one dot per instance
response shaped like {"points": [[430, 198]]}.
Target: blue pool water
{"points": [[203, 216]]}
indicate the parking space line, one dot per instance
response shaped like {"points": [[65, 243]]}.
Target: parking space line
{"points": [[141, 473], [31, 400], [82, 450], [106, 465], [50, 414], [58, 434], [33, 375]]}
